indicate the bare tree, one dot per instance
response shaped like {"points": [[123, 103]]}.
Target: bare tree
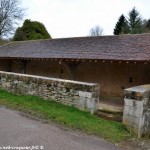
{"points": [[10, 13], [146, 26], [96, 31]]}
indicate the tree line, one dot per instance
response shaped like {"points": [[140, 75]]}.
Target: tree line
{"points": [[11, 13], [132, 24]]}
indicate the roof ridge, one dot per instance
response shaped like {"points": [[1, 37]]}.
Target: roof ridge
{"points": [[31, 40], [122, 35]]}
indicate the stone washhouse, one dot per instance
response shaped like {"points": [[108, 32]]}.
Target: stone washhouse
{"points": [[114, 62]]}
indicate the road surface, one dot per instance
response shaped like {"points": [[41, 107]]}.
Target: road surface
{"points": [[19, 131]]}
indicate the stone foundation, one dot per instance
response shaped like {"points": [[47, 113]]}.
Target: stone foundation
{"points": [[84, 96], [136, 113]]}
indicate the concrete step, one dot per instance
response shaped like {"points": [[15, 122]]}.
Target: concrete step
{"points": [[110, 116], [110, 111], [111, 107]]}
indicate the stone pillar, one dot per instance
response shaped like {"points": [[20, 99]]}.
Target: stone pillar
{"points": [[89, 100], [136, 114]]}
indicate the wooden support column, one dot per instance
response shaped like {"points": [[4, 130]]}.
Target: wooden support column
{"points": [[24, 66], [71, 68], [10, 66]]}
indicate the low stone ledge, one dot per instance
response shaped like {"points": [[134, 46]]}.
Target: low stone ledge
{"points": [[137, 92]]}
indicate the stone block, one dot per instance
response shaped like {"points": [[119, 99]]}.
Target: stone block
{"points": [[85, 94], [90, 103], [146, 123], [6, 85], [133, 103], [133, 122], [82, 103], [126, 110], [137, 92], [136, 111], [131, 111], [31, 92]]}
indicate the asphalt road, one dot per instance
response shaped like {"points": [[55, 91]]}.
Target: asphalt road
{"points": [[17, 130]]}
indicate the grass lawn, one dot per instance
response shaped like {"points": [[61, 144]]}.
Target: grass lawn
{"points": [[64, 115]]}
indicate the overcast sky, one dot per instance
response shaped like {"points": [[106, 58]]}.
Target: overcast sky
{"points": [[71, 18]]}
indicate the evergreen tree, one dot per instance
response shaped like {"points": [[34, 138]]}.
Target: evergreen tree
{"points": [[121, 26], [132, 25], [135, 22], [31, 30]]}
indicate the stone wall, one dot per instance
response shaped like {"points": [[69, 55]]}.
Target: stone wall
{"points": [[82, 95], [136, 113], [113, 77]]}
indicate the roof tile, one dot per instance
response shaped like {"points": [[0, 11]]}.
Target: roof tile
{"points": [[122, 47]]}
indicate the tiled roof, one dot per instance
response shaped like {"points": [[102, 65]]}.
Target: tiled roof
{"points": [[122, 47]]}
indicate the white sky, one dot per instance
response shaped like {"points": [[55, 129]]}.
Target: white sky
{"points": [[71, 18]]}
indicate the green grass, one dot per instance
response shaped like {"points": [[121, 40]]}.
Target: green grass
{"points": [[64, 115]]}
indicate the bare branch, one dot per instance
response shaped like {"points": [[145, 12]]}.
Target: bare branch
{"points": [[96, 31], [10, 14]]}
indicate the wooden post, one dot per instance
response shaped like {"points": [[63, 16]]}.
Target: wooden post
{"points": [[10, 66], [24, 66], [71, 67]]}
